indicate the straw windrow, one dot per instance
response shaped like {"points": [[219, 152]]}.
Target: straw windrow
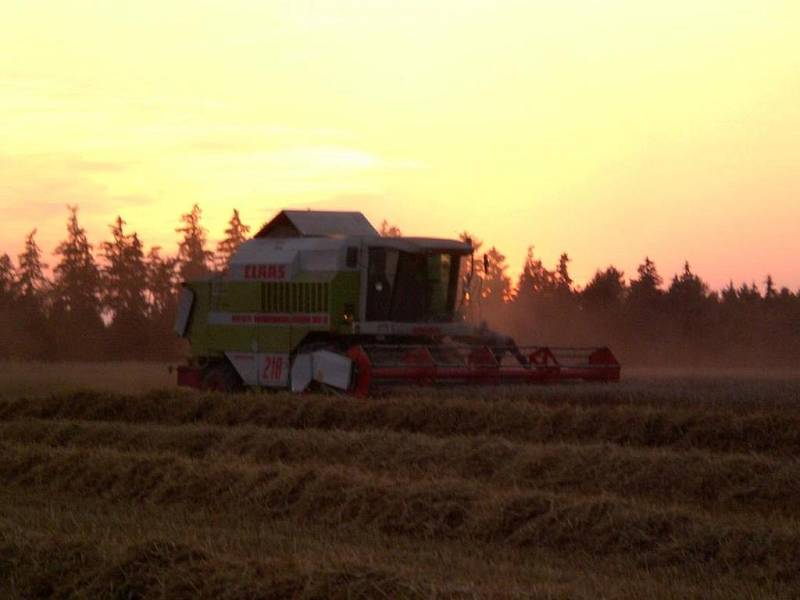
{"points": [[540, 494]]}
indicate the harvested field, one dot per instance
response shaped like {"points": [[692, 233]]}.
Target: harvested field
{"points": [[661, 487]]}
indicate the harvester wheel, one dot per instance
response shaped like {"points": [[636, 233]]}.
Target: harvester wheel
{"points": [[221, 377]]}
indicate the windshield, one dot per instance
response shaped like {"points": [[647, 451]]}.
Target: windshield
{"points": [[411, 287]]}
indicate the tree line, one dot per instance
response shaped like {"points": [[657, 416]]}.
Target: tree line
{"points": [[115, 301], [644, 319], [118, 301]]}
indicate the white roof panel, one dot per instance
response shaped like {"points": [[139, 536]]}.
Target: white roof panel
{"points": [[253, 252], [319, 223]]}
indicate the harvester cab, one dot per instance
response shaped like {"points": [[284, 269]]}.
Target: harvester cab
{"points": [[320, 298]]}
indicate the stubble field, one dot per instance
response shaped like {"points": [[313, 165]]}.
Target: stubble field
{"points": [[668, 485]]}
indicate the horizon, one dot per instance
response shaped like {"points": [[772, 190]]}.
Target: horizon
{"points": [[514, 273], [611, 131]]}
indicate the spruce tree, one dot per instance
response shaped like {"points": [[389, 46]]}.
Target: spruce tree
{"points": [[645, 290], [534, 303], [160, 282], [688, 291], [605, 292], [193, 258], [562, 277], [32, 282], [124, 284], [769, 288], [470, 276], [162, 305], [235, 235], [535, 279], [8, 282], [31, 304], [76, 284], [644, 323], [561, 315], [388, 230], [124, 274], [9, 319], [496, 283], [76, 295]]}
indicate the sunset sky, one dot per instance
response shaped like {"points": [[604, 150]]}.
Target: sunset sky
{"points": [[610, 129]]}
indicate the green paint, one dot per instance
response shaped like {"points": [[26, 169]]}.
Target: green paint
{"points": [[334, 295]]}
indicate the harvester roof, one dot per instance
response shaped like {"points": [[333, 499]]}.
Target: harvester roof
{"points": [[337, 225], [317, 223]]}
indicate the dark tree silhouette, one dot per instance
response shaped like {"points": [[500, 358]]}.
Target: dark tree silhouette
{"points": [[235, 236], [496, 285], [643, 321], [76, 282], [606, 291], [193, 258], [8, 282], [601, 303], [648, 285], [769, 288], [539, 301], [76, 295], [535, 279], [124, 287], [161, 288], [9, 317], [388, 230], [688, 289], [35, 334], [161, 282], [471, 277], [124, 273], [32, 282], [691, 312], [687, 324], [563, 279]]}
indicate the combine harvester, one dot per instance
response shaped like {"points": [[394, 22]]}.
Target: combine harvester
{"points": [[321, 299]]}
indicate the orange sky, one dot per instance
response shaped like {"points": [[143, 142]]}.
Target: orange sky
{"points": [[610, 129]]}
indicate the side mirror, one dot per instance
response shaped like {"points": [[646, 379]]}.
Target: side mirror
{"points": [[486, 263]]}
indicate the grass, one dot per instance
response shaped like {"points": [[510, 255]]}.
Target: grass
{"points": [[42, 378], [115, 484]]}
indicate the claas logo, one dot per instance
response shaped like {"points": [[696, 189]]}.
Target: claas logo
{"points": [[265, 272]]}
